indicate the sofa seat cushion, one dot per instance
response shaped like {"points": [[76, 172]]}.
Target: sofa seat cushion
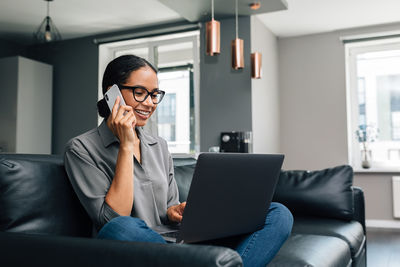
{"points": [[351, 232], [36, 197], [312, 251]]}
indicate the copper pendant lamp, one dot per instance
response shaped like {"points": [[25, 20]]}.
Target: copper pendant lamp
{"points": [[212, 35], [237, 46], [256, 60]]}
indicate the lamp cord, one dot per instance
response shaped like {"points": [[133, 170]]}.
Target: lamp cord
{"points": [[48, 8], [212, 9], [236, 18]]}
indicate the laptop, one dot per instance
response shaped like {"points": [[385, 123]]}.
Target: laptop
{"points": [[230, 194]]}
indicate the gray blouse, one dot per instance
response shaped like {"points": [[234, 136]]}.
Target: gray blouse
{"points": [[90, 161]]}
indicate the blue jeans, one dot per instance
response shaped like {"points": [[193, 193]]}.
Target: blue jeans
{"points": [[256, 249]]}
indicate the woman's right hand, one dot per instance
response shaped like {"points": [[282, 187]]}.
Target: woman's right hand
{"points": [[122, 123]]}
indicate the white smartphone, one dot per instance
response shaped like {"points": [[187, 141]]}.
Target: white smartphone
{"points": [[111, 96]]}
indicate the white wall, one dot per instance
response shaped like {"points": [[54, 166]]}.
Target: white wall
{"points": [[34, 107], [265, 91], [313, 111], [25, 106]]}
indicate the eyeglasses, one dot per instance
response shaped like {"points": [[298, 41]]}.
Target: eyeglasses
{"points": [[140, 93]]}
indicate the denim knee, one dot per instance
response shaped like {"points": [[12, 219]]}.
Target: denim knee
{"points": [[284, 217], [124, 221], [120, 225], [128, 228]]}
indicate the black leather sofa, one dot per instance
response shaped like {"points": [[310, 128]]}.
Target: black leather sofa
{"points": [[43, 224]]}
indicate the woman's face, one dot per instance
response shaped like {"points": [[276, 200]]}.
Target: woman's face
{"points": [[146, 78]]}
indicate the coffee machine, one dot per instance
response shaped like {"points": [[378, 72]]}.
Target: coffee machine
{"points": [[239, 142]]}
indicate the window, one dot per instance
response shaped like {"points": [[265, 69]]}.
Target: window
{"points": [[176, 57], [373, 90]]}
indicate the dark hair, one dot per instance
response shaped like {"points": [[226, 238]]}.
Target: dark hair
{"points": [[117, 72]]}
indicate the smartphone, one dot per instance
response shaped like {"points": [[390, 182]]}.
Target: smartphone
{"points": [[111, 96]]}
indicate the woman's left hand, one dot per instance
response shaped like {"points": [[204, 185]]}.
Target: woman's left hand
{"points": [[175, 213]]}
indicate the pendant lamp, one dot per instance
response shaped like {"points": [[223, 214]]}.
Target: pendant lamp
{"points": [[237, 46], [212, 35], [256, 60], [255, 5], [47, 31]]}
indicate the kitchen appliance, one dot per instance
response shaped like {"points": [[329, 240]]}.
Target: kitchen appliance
{"points": [[240, 142]]}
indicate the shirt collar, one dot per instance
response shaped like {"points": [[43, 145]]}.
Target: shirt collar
{"points": [[106, 134], [108, 137], [145, 137]]}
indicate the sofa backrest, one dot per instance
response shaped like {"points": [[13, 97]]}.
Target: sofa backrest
{"points": [[323, 193], [36, 197], [184, 169]]}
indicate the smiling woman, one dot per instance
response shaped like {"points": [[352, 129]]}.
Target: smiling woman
{"points": [[118, 169], [176, 56], [136, 72]]}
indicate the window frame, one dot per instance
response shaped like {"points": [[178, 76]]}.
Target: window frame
{"points": [[107, 52], [352, 105]]}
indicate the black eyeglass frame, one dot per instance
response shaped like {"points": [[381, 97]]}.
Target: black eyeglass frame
{"points": [[133, 88]]}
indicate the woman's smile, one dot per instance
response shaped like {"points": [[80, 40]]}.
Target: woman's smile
{"points": [[142, 114]]}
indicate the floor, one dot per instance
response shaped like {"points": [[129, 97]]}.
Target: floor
{"points": [[383, 248]]}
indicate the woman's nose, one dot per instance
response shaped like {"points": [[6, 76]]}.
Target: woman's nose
{"points": [[148, 101]]}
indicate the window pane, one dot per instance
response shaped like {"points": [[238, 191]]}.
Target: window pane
{"points": [[173, 55], [174, 111], [378, 76], [140, 52], [167, 117], [174, 61]]}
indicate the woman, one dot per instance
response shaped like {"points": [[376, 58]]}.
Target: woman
{"points": [[124, 177]]}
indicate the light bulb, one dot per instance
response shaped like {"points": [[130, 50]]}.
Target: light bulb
{"points": [[255, 6], [47, 36]]}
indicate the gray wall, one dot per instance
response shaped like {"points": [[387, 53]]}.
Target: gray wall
{"points": [[313, 101], [313, 111], [377, 188], [8, 103], [265, 91], [8, 49], [75, 79], [225, 94]]}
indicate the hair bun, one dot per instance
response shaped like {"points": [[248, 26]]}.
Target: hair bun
{"points": [[103, 109]]}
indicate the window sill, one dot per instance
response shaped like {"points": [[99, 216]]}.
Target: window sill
{"points": [[395, 170], [184, 155]]}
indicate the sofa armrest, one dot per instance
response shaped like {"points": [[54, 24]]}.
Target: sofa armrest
{"points": [[359, 206], [19, 249]]}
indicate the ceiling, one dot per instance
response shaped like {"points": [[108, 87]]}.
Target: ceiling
{"points": [[78, 18], [195, 10], [316, 16]]}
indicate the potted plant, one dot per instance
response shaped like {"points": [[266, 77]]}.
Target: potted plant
{"points": [[366, 134]]}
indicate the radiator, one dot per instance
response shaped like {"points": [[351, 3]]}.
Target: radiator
{"points": [[396, 196]]}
